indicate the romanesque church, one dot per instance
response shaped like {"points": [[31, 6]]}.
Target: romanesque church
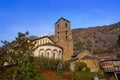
{"points": [[58, 47]]}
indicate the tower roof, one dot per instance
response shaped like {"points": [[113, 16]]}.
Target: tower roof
{"points": [[62, 19]]}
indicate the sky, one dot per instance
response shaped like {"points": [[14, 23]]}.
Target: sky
{"points": [[38, 16]]}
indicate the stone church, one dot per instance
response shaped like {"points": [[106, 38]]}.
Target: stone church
{"points": [[58, 47]]}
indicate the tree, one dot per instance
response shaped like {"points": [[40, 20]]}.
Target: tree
{"points": [[81, 66], [100, 74], [19, 56]]}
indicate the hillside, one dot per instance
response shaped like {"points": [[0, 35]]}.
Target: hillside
{"points": [[99, 39]]}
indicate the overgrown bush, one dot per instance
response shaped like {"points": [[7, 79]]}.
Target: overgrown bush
{"points": [[81, 75], [100, 74], [81, 66], [48, 63], [66, 65]]}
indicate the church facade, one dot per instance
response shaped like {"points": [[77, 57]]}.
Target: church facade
{"points": [[48, 48], [60, 47]]}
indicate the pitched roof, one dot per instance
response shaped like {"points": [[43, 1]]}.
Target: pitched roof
{"points": [[33, 37], [75, 54], [73, 59], [44, 37], [87, 57], [110, 59], [62, 19], [50, 44]]}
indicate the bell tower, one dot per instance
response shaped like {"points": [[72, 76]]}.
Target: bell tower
{"points": [[63, 37]]}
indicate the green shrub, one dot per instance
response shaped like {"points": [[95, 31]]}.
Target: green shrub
{"points": [[80, 65], [79, 45], [66, 65], [100, 74], [80, 75], [48, 64]]}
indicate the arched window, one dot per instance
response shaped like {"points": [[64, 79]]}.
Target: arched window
{"points": [[66, 37], [48, 52], [58, 32], [58, 26], [60, 51], [53, 55], [66, 32], [41, 53], [59, 55], [66, 25]]}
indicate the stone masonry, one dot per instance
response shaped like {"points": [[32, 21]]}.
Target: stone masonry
{"points": [[63, 37]]}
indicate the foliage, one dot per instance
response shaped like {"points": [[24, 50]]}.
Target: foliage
{"points": [[66, 65], [18, 54], [80, 75], [80, 66], [75, 75], [22, 65], [79, 45], [59, 72], [48, 63], [52, 64], [100, 74]]}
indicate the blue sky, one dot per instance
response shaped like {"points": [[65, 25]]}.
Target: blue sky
{"points": [[38, 16]]}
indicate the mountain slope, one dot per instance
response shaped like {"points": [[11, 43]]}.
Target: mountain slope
{"points": [[98, 39]]}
